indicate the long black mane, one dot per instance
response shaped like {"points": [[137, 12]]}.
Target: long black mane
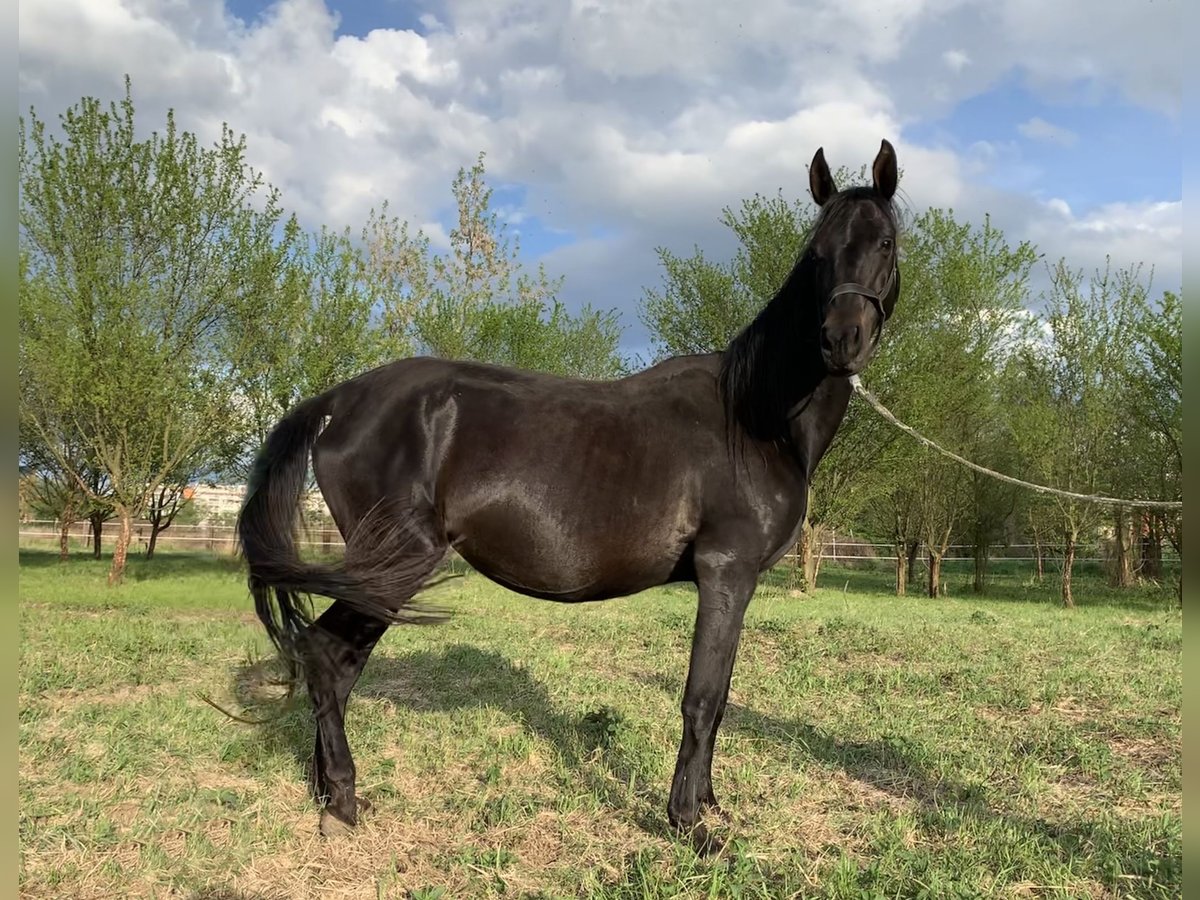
{"points": [[774, 361]]}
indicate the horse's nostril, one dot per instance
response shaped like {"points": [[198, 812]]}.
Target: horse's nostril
{"points": [[854, 336], [826, 341]]}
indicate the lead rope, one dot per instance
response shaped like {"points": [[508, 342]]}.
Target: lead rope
{"points": [[857, 384]]}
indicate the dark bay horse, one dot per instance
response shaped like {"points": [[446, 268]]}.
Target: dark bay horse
{"points": [[692, 470]]}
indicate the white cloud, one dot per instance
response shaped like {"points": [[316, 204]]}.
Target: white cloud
{"points": [[385, 56], [1038, 129], [1131, 232], [956, 60]]}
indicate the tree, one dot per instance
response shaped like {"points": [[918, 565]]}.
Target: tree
{"points": [[136, 250], [1155, 438], [312, 325], [961, 313], [942, 500], [1071, 396], [702, 303], [163, 508], [477, 301], [66, 482], [51, 496]]}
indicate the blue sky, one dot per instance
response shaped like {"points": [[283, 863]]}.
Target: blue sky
{"points": [[1099, 134], [612, 127], [354, 18]]}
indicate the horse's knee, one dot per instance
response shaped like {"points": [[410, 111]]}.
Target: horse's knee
{"points": [[699, 711]]}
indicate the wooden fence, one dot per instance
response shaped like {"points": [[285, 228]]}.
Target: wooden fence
{"points": [[211, 538], [326, 538]]}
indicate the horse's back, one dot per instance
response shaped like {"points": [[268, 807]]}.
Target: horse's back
{"points": [[553, 486]]}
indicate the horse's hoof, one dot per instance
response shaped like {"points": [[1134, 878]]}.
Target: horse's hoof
{"points": [[706, 842], [703, 841], [332, 826]]}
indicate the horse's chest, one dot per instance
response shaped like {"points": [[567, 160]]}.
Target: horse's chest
{"points": [[781, 516]]}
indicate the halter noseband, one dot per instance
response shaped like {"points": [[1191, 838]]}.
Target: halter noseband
{"points": [[876, 298]]}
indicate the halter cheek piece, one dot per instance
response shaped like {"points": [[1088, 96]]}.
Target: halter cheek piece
{"points": [[876, 298]]}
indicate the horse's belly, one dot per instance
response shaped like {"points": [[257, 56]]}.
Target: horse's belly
{"points": [[542, 560], [569, 510]]}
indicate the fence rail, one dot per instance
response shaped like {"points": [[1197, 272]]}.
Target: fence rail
{"points": [[217, 538], [223, 538]]}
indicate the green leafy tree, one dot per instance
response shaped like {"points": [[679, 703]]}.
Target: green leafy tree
{"points": [[477, 301], [313, 325], [1153, 450], [51, 496], [963, 310], [136, 251], [1074, 388], [702, 303], [165, 504]]}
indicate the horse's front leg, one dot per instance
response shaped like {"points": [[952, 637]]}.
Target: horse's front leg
{"points": [[724, 594]]}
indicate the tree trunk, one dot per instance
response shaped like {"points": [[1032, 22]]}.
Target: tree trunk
{"points": [[803, 556], [913, 547], [1068, 600], [64, 536], [816, 557], [97, 533], [981, 561], [935, 574], [154, 531], [1122, 575], [1152, 549], [121, 548], [1037, 552], [816, 551], [901, 571]]}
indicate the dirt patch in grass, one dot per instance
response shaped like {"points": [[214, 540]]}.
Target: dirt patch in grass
{"points": [[871, 791], [68, 699], [1150, 754], [166, 614]]}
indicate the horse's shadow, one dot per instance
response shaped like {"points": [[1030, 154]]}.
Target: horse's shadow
{"points": [[462, 676], [892, 764]]}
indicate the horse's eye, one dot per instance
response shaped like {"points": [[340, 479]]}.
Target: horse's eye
{"points": [[886, 244]]}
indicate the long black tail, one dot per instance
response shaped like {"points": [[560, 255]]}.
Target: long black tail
{"points": [[388, 558]]}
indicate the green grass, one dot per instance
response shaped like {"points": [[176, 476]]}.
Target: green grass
{"points": [[874, 746]]}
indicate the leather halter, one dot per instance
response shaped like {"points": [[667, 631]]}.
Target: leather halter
{"points": [[876, 298]]}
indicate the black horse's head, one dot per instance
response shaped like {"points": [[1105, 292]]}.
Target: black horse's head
{"points": [[853, 249]]}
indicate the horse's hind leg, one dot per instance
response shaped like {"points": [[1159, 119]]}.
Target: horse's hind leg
{"points": [[337, 646]]}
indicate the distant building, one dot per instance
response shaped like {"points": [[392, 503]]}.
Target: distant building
{"points": [[223, 501], [216, 501]]}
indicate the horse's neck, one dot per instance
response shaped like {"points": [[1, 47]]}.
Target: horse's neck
{"points": [[817, 420]]}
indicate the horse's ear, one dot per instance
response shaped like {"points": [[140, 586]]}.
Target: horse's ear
{"points": [[820, 182], [884, 170]]}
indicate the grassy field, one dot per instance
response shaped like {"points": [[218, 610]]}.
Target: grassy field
{"points": [[874, 746]]}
